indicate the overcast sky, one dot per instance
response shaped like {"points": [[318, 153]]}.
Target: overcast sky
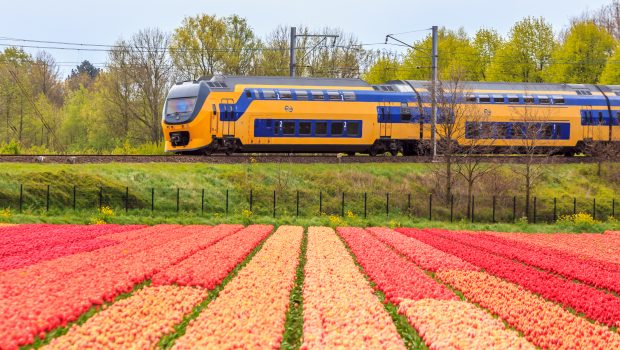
{"points": [[104, 22]]}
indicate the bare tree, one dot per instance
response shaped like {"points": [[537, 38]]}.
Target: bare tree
{"points": [[599, 145]]}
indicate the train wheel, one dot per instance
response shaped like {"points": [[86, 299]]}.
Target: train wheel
{"points": [[394, 152], [372, 152]]}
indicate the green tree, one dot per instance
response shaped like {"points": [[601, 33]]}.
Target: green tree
{"points": [[611, 72], [582, 56], [526, 53], [456, 54], [243, 47], [486, 42], [384, 69]]}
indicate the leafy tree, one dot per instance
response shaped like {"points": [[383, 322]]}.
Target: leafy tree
{"points": [[486, 42], [82, 75], [611, 72], [456, 54], [526, 53], [582, 56], [384, 69], [243, 46]]}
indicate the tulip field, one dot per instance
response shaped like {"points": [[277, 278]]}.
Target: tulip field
{"points": [[261, 287]]}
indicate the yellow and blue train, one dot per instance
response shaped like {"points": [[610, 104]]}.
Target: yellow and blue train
{"points": [[319, 115]]}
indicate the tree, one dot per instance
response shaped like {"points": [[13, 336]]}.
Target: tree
{"points": [[611, 72], [384, 69], [456, 53], [45, 77], [243, 47], [82, 75], [607, 17], [582, 56], [486, 42], [526, 53]]}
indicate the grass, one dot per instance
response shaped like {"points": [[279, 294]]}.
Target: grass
{"points": [[57, 332], [294, 324]]}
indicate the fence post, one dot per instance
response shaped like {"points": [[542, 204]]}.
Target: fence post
{"points": [[574, 206], [342, 206], [365, 207], [451, 208], [251, 199], [613, 208], [594, 208], [320, 202], [227, 202], [126, 199], [74, 195], [555, 209], [47, 199], [297, 211], [387, 204], [473, 202], [152, 199], [430, 207], [178, 199], [202, 202], [274, 203], [534, 209], [21, 196], [100, 197], [493, 209], [409, 203]]}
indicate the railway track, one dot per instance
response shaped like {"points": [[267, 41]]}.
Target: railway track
{"points": [[266, 158]]}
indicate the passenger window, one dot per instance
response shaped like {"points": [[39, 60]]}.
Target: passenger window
{"points": [[513, 99], [353, 129], [485, 99], [405, 112], [558, 100], [248, 93], [214, 109], [301, 95], [269, 94], [285, 95], [334, 96], [337, 128], [498, 99], [471, 99], [318, 95], [501, 130], [600, 118], [288, 128], [348, 96], [528, 99], [305, 128], [472, 131], [547, 131], [487, 130], [320, 129], [543, 100]]}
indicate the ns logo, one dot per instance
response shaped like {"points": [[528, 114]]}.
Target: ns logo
{"points": [[288, 109]]}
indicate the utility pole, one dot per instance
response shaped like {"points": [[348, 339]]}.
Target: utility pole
{"points": [[294, 36], [293, 49], [434, 93]]}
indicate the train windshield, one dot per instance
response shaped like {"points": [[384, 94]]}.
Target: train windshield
{"points": [[180, 105]]}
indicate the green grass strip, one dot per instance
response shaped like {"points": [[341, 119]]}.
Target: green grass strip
{"points": [[408, 334], [57, 332], [167, 341], [294, 325]]}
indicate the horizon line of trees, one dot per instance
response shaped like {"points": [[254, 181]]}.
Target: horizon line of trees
{"points": [[118, 108]]}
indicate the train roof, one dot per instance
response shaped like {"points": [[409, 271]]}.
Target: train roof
{"points": [[578, 89], [228, 83]]}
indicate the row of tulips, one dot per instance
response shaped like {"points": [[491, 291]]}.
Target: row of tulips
{"points": [[340, 309], [137, 322], [451, 324], [207, 268], [593, 247], [426, 256], [567, 266], [53, 300], [545, 324], [396, 276], [250, 312], [595, 304]]}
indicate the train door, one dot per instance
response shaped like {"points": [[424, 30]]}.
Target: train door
{"points": [[228, 117], [385, 120], [587, 121]]}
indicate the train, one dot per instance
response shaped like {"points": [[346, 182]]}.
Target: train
{"points": [[230, 114]]}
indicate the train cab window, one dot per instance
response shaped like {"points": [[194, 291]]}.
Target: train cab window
{"points": [[528, 99], [269, 94], [558, 100], [485, 99], [353, 129], [498, 99], [348, 96], [285, 94], [544, 100], [305, 128], [302, 95], [513, 99], [318, 95], [334, 96], [337, 128], [320, 129], [288, 128]]}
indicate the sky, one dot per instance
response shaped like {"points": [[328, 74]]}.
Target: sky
{"points": [[104, 22]]}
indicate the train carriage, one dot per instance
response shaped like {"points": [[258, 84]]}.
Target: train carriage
{"points": [[278, 114]]}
